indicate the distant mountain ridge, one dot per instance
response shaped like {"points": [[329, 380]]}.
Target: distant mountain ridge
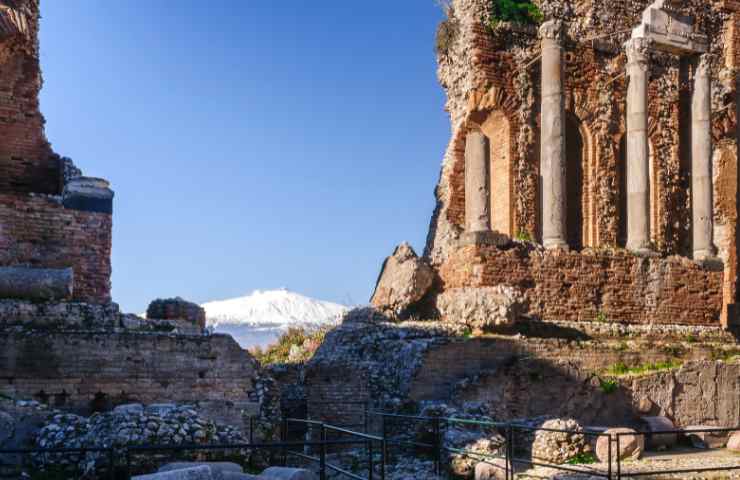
{"points": [[259, 318]]}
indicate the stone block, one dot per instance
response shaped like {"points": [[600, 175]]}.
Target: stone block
{"points": [[706, 439], [282, 473], [88, 194], [656, 440], [630, 446], [196, 473], [494, 469], [177, 309], [482, 308], [36, 284], [129, 409], [218, 469], [733, 444]]}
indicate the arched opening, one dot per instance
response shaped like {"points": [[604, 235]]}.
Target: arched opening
{"points": [[574, 179], [496, 128]]}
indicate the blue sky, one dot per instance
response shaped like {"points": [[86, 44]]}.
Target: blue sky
{"points": [[252, 144]]}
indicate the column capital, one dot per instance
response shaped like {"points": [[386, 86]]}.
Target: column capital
{"points": [[704, 67], [638, 52], [552, 30]]}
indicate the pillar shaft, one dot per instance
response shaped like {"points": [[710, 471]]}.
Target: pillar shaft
{"points": [[477, 217], [552, 154], [701, 162], [638, 176]]}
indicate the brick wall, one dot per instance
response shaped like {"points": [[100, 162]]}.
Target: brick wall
{"points": [[36, 231], [94, 370], [616, 286], [27, 163]]}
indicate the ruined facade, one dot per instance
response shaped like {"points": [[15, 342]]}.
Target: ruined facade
{"points": [[593, 160], [51, 217], [62, 339]]}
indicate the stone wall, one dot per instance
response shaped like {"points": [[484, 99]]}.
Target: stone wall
{"points": [[92, 371], [610, 286], [37, 231], [489, 72]]}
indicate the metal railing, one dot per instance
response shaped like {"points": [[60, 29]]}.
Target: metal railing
{"points": [[613, 468]]}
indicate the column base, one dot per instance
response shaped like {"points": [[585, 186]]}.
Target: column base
{"points": [[555, 244], [705, 255], [642, 249], [486, 237]]}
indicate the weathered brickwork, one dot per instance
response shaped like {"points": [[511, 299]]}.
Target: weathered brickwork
{"points": [[95, 371], [36, 231], [27, 163], [570, 286], [496, 72]]}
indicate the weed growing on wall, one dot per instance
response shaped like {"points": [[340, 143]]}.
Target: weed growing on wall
{"points": [[448, 29], [515, 11]]}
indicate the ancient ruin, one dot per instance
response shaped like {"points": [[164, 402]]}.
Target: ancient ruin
{"points": [[62, 340]]}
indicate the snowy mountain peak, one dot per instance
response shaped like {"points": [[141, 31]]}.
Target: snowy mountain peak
{"points": [[260, 317]]}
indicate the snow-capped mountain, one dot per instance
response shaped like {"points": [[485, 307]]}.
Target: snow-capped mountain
{"points": [[259, 318]]}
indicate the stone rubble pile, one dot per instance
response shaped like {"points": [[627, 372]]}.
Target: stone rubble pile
{"points": [[130, 425], [558, 447]]}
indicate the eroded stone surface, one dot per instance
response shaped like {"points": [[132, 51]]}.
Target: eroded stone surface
{"points": [[561, 446], [403, 281], [482, 308], [630, 446]]}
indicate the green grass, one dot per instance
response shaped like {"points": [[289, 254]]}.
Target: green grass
{"points": [[523, 236], [608, 386], [583, 459], [620, 369]]}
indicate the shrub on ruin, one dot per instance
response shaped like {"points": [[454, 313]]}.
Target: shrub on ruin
{"points": [[447, 30], [296, 345], [515, 11]]}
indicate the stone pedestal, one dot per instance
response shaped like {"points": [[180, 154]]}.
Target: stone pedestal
{"points": [[552, 154], [477, 215], [638, 176], [701, 162]]}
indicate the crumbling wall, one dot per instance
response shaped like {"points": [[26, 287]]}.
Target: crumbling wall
{"points": [[96, 370], [37, 231], [609, 286], [38, 228], [489, 67], [27, 163]]}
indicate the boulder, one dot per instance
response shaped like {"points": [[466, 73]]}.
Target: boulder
{"points": [[177, 309], [705, 439], [655, 425], [494, 469], [630, 446], [733, 444], [196, 473], [557, 447], [218, 469], [283, 473], [482, 308], [160, 408], [404, 280]]}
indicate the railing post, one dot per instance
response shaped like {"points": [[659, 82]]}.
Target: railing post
{"points": [[383, 459], [128, 464], [609, 470], [510, 451], [437, 446], [367, 416], [251, 429], [619, 460], [283, 439], [322, 454], [112, 463], [370, 459]]}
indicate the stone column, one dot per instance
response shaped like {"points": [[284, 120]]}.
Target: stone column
{"points": [[638, 176], [552, 143], [477, 217], [701, 161]]}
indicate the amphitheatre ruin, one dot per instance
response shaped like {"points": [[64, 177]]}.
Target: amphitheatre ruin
{"points": [[573, 315]]}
